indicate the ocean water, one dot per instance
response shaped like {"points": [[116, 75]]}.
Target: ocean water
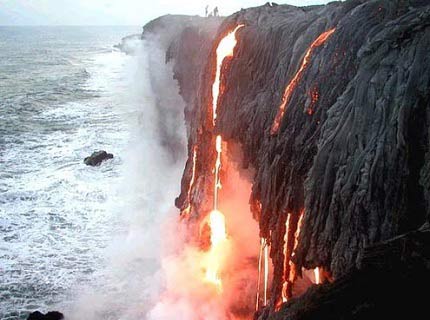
{"points": [[64, 92]]}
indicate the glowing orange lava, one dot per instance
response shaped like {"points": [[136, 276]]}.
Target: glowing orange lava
{"points": [[286, 260], [217, 226], [218, 234], [263, 268], [218, 238], [225, 49], [187, 210], [317, 275], [260, 260], [294, 82], [266, 271]]}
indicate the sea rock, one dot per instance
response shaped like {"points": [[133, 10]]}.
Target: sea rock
{"points": [[52, 315], [97, 158]]}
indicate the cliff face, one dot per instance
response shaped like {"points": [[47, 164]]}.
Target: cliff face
{"points": [[348, 165]]}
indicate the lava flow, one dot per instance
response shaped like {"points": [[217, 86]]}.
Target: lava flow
{"points": [[225, 49], [290, 272], [294, 82], [263, 261], [218, 234], [217, 226]]}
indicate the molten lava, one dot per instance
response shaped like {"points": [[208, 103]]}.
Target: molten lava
{"points": [[225, 49], [289, 272], [263, 261], [285, 294], [217, 180], [218, 238], [218, 234], [266, 271], [296, 79], [317, 275]]}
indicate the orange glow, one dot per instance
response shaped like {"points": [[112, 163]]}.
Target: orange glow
{"points": [[297, 233], [286, 260], [263, 268], [218, 238], [317, 275], [225, 49], [293, 270], [296, 79], [217, 226], [217, 180], [187, 210], [314, 99], [266, 271], [218, 234], [260, 259]]}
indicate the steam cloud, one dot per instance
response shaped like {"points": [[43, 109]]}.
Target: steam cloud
{"points": [[153, 272]]}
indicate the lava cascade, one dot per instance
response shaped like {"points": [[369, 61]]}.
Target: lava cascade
{"points": [[296, 79]]}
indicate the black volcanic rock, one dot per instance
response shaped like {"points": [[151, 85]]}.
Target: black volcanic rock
{"points": [[388, 283], [52, 315], [97, 157], [352, 155]]}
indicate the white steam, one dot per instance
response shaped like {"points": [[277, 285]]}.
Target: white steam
{"points": [[132, 281], [153, 273]]}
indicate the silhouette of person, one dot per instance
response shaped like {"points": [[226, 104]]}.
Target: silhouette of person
{"points": [[206, 10], [216, 11]]}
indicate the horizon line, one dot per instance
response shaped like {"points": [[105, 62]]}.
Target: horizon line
{"points": [[71, 25]]}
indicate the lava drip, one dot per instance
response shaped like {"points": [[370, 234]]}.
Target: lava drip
{"points": [[290, 270], [296, 79], [218, 234], [287, 253]]}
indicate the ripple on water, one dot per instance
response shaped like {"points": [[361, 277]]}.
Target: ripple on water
{"points": [[55, 215]]}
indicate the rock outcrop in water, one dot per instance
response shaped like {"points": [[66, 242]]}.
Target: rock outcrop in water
{"points": [[97, 157], [351, 158], [52, 315]]}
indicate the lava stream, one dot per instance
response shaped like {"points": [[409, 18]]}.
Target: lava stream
{"points": [[263, 262], [317, 275], [286, 260], [225, 49], [294, 82], [217, 223], [217, 226]]}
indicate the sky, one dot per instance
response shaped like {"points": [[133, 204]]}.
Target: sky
{"points": [[115, 12]]}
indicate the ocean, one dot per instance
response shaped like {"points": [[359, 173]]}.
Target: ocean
{"points": [[64, 93]]}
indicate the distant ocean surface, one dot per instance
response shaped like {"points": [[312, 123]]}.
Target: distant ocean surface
{"points": [[63, 94]]}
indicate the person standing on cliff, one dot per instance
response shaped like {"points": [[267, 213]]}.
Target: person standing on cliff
{"points": [[216, 12], [206, 10]]}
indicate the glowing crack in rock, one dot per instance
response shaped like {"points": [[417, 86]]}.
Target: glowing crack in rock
{"points": [[296, 79]]}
